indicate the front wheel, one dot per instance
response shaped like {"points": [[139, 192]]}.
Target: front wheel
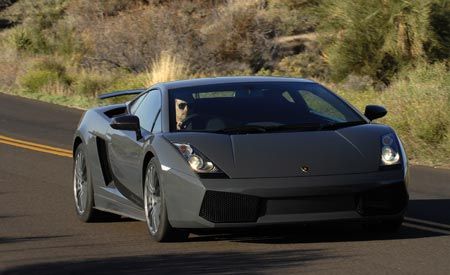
{"points": [[155, 208]]}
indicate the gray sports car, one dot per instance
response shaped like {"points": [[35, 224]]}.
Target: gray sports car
{"points": [[238, 152]]}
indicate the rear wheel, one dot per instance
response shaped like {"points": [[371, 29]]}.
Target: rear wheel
{"points": [[155, 209]]}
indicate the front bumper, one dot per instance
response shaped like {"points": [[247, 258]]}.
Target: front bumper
{"points": [[227, 203]]}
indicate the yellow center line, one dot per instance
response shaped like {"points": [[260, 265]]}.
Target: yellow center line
{"points": [[35, 146]]}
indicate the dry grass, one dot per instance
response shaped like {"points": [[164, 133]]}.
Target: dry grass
{"points": [[9, 68], [9, 62], [93, 47], [418, 105], [166, 68], [420, 110]]}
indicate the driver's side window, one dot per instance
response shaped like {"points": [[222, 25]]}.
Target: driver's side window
{"points": [[149, 109]]}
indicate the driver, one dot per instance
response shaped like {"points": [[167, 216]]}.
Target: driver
{"points": [[181, 110]]}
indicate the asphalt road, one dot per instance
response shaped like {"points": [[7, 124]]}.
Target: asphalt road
{"points": [[40, 234]]}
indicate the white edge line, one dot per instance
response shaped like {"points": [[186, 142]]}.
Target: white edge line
{"points": [[430, 223]]}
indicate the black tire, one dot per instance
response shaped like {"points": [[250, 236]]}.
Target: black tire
{"points": [[88, 213], [162, 231], [385, 226]]}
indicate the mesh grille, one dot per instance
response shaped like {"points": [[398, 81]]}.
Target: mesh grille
{"points": [[385, 200], [222, 207]]}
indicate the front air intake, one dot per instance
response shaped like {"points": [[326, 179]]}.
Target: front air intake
{"points": [[223, 207], [387, 200]]}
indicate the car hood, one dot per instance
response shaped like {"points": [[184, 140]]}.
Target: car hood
{"points": [[291, 154]]}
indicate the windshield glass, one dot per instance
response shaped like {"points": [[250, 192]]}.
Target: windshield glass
{"points": [[258, 107]]}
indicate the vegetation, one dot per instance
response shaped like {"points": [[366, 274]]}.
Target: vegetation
{"points": [[390, 52], [418, 103]]}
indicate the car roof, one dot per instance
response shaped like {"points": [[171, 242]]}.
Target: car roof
{"points": [[225, 80]]}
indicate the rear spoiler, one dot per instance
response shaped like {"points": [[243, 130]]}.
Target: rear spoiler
{"points": [[121, 93]]}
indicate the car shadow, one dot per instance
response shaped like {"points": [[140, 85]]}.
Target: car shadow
{"points": [[112, 218], [183, 263], [12, 216], [5, 240], [429, 214], [424, 218]]}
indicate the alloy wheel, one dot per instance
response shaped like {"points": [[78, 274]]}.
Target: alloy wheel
{"points": [[152, 200], [80, 186]]}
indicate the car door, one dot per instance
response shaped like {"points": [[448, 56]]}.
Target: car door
{"points": [[126, 147]]}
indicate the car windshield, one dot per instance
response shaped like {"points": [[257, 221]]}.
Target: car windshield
{"points": [[258, 107]]}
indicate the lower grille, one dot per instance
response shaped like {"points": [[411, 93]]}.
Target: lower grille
{"points": [[305, 205], [386, 200], [223, 207]]}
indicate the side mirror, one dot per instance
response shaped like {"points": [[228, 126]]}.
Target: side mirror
{"points": [[127, 123], [374, 111]]}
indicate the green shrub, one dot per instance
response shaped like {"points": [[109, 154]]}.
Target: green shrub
{"points": [[31, 40], [126, 80], [91, 84], [374, 38], [35, 80], [440, 23], [357, 83], [418, 104], [65, 41], [37, 20], [292, 16], [52, 65], [306, 64], [239, 34], [21, 40], [43, 73]]}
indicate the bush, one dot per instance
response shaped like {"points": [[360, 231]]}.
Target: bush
{"points": [[35, 80], [52, 65], [418, 104], [292, 16], [91, 84], [44, 73], [307, 64], [374, 38], [239, 34], [133, 38], [440, 23], [21, 40], [37, 19], [65, 41], [357, 83], [9, 67]]}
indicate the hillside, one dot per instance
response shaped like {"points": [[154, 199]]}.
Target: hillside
{"points": [[388, 52]]}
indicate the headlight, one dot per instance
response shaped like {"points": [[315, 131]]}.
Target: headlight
{"points": [[390, 151], [196, 160]]}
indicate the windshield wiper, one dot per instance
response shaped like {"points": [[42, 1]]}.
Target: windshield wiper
{"points": [[295, 127], [339, 125], [264, 129], [243, 129]]}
